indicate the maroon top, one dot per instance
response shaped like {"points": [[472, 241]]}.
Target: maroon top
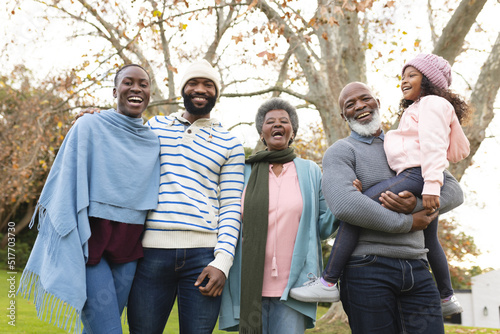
{"points": [[117, 242]]}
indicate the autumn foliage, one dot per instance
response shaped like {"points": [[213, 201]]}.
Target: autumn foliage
{"points": [[32, 127], [311, 144], [459, 249]]}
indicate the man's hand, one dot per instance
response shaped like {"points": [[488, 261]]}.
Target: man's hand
{"points": [[404, 202], [86, 111], [216, 281], [357, 184], [421, 220], [430, 203]]}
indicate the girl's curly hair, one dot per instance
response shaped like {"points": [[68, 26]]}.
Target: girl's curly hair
{"points": [[462, 108]]}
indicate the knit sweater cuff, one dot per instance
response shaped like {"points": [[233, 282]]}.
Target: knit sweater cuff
{"points": [[223, 262]]}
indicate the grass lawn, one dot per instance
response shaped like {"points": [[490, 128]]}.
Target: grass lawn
{"points": [[27, 322]]}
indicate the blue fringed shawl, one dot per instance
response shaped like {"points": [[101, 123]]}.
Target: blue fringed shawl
{"points": [[108, 167]]}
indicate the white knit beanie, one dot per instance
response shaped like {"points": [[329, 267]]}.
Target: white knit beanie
{"points": [[201, 69]]}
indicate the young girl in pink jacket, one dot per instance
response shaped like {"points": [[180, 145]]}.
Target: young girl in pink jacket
{"points": [[429, 136], [429, 132]]}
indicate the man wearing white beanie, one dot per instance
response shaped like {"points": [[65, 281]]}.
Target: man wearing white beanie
{"points": [[190, 238]]}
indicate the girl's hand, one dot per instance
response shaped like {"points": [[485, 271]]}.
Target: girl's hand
{"points": [[430, 203], [357, 184], [86, 111]]}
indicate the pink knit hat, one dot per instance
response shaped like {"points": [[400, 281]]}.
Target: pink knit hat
{"points": [[435, 68]]}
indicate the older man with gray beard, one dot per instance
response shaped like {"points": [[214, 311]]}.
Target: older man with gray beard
{"points": [[386, 286]]}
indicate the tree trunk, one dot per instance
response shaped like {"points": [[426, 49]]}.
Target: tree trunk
{"points": [[335, 313], [451, 42], [19, 226], [482, 99]]}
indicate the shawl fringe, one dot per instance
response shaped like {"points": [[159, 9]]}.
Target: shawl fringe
{"points": [[42, 212], [48, 307], [45, 228]]}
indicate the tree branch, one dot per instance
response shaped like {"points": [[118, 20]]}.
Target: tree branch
{"points": [[482, 99], [296, 45], [283, 71], [223, 24], [269, 90], [166, 58], [240, 123], [450, 44], [434, 36]]}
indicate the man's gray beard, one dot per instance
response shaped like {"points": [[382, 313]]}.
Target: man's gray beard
{"points": [[366, 130]]}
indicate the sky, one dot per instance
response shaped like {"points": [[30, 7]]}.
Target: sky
{"points": [[481, 183]]}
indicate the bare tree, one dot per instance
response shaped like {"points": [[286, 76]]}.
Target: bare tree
{"points": [[304, 49]]}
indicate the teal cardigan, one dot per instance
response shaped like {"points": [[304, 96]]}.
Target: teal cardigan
{"points": [[316, 224]]}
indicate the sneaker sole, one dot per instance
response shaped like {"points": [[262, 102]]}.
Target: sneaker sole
{"points": [[452, 311], [314, 300]]}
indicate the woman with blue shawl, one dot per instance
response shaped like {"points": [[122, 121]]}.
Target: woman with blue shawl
{"points": [[91, 212]]}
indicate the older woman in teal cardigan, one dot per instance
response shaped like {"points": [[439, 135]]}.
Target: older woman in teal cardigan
{"points": [[285, 217]]}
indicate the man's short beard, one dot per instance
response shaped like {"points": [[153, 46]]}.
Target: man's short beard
{"points": [[366, 130], [192, 109]]}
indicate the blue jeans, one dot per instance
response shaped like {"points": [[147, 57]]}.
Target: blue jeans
{"points": [[347, 235], [108, 287], [161, 276], [278, 318], [385, 295]]}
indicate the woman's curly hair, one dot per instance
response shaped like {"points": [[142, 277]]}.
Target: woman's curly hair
{"points": [[462, 108]]}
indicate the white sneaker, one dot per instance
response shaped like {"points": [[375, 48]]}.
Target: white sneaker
{"points": [[451, 306], [315, 291]]}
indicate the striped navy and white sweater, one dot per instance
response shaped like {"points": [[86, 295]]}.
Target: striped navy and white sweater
{"points": [[199, 201]]}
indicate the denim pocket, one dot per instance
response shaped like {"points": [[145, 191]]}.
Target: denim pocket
{"points": [[425, 263], [361, 260]]}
